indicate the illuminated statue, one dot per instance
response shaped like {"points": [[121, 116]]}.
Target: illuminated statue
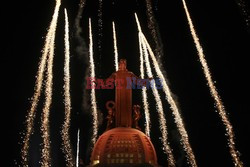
{"points": [[122, 144], [123, 94]]}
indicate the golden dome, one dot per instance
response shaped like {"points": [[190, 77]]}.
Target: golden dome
{"points": [[123, 147]]}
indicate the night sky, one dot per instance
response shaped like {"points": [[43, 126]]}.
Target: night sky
{"points": [[223, 34]]}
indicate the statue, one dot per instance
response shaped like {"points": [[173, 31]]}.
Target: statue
{"points": [[110, 105], [123, 95], [136, 116]]}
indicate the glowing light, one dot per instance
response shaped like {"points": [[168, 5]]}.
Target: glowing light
{"points": [[46, 159], [67, 102], [174, 108], [92, 94], [78, 147], [115, 47], [48, 49], [144, 92], [213, 91], [159, 107]]}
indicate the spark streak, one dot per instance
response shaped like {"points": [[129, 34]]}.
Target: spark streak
{"points": [[92, 94], [67, 102], [35, 99], [144, 92], [100, 26], [38, 85], [244, 10], [219, 105], [46, 159], [78, 147], [162, 120], [174, 108], [115, 47], [152, 25], [46, 109]]}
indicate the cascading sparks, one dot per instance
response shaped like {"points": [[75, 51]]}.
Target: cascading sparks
{"points": [[115, 47], [46, 159], [35, 100], [159, 53], [67, 102], [92, 93], [145, 51], [144, 93], [174, 108], [219, 105], [162, 120], [47, 50]]}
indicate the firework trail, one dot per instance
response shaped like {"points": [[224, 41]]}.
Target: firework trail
{"points": [[115, 47], [35, 99], [171, 101], [100, 26], [46, 160], [162, 120], [38, 85], [244, 10], [174, 108], [78, 147], [144, 92], [82, 53], [65, 129], [92, 94], [81, 48], [219, 105], [153, 27]]}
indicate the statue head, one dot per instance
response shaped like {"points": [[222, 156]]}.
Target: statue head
{"points": [[123, 65]]}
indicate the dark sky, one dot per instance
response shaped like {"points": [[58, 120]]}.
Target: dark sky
{"points": [[223, 35]]}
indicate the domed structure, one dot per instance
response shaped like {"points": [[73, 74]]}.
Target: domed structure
{"points": [[123, 146]]}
